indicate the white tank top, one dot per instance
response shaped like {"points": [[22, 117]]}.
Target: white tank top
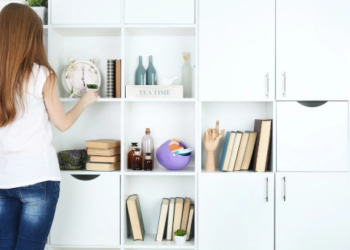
{"points": [[26, 154]]}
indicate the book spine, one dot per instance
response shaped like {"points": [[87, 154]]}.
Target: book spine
{"points": [[257, 128], [110, 78], [223, 154]]}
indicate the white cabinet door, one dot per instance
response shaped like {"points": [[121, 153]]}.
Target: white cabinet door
{"points": [[159, 11], [313, 49], [88, 211], [315, 212], [236, 50], [91, 12], [239, 210], [312, 138]]}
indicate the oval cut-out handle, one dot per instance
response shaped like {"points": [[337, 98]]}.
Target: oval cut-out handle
{"points": [[311, 104], [85, 177]]}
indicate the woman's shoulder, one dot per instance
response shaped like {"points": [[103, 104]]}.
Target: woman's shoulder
{"points": [[40, 71]]}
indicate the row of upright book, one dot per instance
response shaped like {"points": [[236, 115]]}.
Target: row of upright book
{"points": [[175, 213], [247, 150], [104, 154]]}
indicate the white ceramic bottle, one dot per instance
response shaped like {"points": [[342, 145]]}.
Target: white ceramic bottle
{"points": [[187, 75]]}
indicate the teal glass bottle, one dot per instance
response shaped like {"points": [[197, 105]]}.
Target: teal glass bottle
{"points": [[151, 73], [140, 74]]}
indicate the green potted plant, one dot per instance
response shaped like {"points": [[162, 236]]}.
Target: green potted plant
{"points": [[91, 87], [180, 236], [40, 7]]}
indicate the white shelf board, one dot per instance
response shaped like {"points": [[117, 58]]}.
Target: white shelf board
{"points": [[203, 171], [161, 171], [235, 100], [99, 100], [150, 243], [83, 247], [89, 172], [160, 30], [160, 100], [87, 30]]}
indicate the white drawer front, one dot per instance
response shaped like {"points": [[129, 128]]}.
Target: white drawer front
{"points": [[159, 11], [312, 138], [88, 211], [85, 12]]}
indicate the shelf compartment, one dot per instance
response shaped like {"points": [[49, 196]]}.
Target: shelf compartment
{"points": [[165, 120], [158, 11], [150, 243], [98, 121], [166, 45], [151, 191], [65, 41], [317, 132], [108, 13], [88, 202], [235, 116]]}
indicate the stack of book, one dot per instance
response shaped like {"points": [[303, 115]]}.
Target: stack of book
{"points": [[175, 213], [247, 150], [104, 155], [135, 221]]}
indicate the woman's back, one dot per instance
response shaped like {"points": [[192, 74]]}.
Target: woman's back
{"points": [[26, 153]]}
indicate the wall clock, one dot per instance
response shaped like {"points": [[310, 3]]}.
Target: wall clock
{"points": [[78, 74]]}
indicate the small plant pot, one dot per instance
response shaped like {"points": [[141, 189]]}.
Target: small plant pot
{"points": [[180, 240], [42, 13], [87, 89]]}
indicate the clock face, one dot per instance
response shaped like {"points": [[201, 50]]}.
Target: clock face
{"points": [[78, 75]]}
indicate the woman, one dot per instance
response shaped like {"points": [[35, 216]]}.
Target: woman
{"points": [[29, 171]]}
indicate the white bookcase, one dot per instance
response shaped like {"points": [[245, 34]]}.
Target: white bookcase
{"points": [[165, 37], [239, 52]]}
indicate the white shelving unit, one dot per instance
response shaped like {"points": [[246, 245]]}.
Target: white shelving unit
{"points": [[125, 119], [239, 52]]}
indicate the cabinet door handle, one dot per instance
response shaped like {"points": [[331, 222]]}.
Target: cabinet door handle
{"points": [[284, 188], [267, 85], [267, 190], [284, 84], [85, 177]]}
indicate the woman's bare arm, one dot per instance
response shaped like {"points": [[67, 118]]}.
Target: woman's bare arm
{"points": [[62, 120]]}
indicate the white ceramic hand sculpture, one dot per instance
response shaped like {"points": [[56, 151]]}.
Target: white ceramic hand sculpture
{"points": [[211, 142]]}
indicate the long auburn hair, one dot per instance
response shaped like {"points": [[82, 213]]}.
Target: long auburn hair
{"points": [[21, 45]]}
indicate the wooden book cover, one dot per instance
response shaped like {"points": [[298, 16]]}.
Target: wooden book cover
{"points": [[102, 143], [162, 219], [262, 149], [241, 151], [179, 204], [249, 151], [190, 222], [118, 79], [226, 151], [185, 213], [108, 159], [170, 220], [102, 166], [234, 152], [135, 217], [103, 152]]}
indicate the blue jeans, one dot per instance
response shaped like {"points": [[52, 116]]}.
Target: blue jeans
{"points": [[26, 215]]}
